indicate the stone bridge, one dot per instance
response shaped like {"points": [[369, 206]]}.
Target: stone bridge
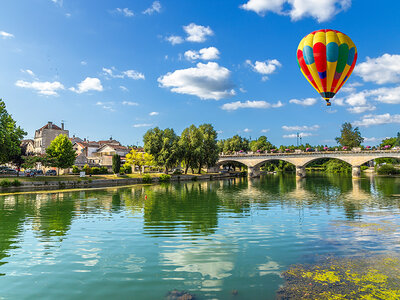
{"points": [[300, 160]]}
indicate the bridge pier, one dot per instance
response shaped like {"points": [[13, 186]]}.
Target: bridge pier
{"points": [[253, 172], [300, 171], [356, 171]]}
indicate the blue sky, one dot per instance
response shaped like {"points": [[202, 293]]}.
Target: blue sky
{"points": [[121, 67]]}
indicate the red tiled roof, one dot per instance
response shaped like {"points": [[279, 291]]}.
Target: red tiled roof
{"points": [[47, 127]]}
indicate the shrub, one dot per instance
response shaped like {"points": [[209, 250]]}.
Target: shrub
{"points": [[146, 178], [177, 172], [364, 168], [103, 170], [165, 177], [16, 182], [75, 170], [128, 169], [86, 168], [5, 183], [388, 170], [95, 171]]}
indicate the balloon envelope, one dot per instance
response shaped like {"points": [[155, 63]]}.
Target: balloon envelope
{"points": [[327, 58]]}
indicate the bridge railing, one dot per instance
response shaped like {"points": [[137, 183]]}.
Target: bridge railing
{"points": [[341, 152]]}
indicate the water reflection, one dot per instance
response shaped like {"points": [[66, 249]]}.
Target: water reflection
{"points": [[209, 237]]}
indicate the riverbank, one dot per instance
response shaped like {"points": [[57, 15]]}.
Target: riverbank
{"points": [[74, 182]]}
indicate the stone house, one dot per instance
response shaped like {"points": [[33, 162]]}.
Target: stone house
{"points": [[45, 135], [28, 146]]}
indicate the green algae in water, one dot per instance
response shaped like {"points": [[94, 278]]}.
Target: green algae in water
{"points": [[359, 278]]}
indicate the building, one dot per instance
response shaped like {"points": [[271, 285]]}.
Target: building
{"points": [[28, 147], [45, 135]]}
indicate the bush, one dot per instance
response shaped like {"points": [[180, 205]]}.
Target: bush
{"points": [[177, 172], [388, 170], [95, 171], [16, 182], [128, 169], [165, 177], [75, 170], [103, 170], [5, 183], [86, 168], [146, 178], [363, 168]]}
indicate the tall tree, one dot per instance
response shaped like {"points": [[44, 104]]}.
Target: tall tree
{"points": [[62, 153], [140, 159], [10, 135], [116, 163], [261, 144], [209, 153], [190, 143], [350, 137], [163, 145]]}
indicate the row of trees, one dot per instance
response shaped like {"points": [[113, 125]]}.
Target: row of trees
{"points": [[195, 148]]}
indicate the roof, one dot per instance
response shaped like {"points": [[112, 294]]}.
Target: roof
{"points": [[87, 144], [53, 126], [115, 147], [110, 141], [23, 142]]}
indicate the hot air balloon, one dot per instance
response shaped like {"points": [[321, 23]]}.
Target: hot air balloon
{"points": [[327, 58]]}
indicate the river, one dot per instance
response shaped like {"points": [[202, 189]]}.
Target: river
{"points": [[229, 239]]}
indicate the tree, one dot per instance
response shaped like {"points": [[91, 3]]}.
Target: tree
{"points": [[140, 159], [62, 153], [163, 145], [10, 135], [350, 137], [190, 143], [116, 163], [209, 149], [236, 144], [261, 144]]}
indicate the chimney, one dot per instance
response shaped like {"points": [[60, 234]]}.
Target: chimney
{"points": [[50, 125], [62, 125]]}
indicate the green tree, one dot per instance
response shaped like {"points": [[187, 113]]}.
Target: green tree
{"points": [[389, 142], [191, 145], [350, 137], [116, 163], [236, 144], [209, 149], [140, 159], [61, 153], [10, 135], [261, 144], [164, 146]]}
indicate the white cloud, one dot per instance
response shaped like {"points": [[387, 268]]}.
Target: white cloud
{"points": [[300, 128], [126, 12], [142, 125], [130, 103], [155, 7], [361, 109], [250, 104], [29, 72], [294, 135], [42, 87], [206, 81], [68, 15], [380, 70], [106, 105], [246, 130], [124, 88], [265, 67], [197, 33], [204, 54], [322, 10], [83, 63], [372, 139], [350, 87], [154, 113], [387, 95], [135, 75], [369, 120], [264, 130], [304, 102], [6, 35], [174, 39], [89, 84]]}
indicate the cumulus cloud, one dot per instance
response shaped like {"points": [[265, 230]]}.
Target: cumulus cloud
{"points": [[174, 39], [141, 125], [88, 84], [42, 87], [154, 113], [6, 35], [246, 130], [321, 10], [300, 128], [304, 102], [209, 53], [372, 139], [250, 104], [155, 7], [135, 75], [29, 72], [294, 135], [126, 12], [130, 103], [265, 67], [197, 33], [380, 70], [361, 109], [350, 87], [370, 120], [206, 81]]}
